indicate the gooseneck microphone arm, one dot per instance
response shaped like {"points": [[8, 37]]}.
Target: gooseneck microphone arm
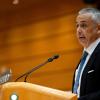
{"points": [[37, 67]]}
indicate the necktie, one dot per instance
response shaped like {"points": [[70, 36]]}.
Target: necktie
{"points": [[76, 84]]}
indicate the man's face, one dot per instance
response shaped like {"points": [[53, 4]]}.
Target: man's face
{"points": [[87, 29]]}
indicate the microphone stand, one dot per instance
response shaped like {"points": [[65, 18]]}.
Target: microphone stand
{"points": [[35, 68]]}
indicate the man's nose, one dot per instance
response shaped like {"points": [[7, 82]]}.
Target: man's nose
{"points": [[78, 29]]}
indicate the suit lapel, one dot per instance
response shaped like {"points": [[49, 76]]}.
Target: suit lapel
{"points": [[74, 75]]}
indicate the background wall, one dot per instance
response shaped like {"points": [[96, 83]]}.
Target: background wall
{"points": [[30, 33]]}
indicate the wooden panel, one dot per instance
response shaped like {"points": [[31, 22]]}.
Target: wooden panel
{"points": [[48, 36], [29, 38], [20, 14]]}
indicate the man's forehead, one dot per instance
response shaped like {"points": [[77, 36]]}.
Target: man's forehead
{"points": [[84, 18]]}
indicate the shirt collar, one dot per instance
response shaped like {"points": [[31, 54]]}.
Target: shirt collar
{"points": [[91, 48]]}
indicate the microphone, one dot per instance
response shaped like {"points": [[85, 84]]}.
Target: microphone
{"points": [[52, 58], [37, 67]]}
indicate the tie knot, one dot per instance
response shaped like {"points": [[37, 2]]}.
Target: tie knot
{"points": [[84, 54]]}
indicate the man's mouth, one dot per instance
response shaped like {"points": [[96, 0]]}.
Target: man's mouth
{"points": [[82, 38]]}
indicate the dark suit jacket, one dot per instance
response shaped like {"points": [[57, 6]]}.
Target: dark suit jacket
{"points": [[90, 81]]}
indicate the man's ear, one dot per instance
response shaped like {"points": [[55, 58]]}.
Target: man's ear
{"points": [[99, 29]]}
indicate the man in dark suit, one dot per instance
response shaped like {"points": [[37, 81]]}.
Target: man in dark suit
{"points": [[86, 81]]}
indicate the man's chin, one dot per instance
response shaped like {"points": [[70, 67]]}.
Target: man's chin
{"points": [[83, 44]]}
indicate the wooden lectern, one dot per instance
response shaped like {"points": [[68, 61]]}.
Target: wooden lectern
{"points": [[29, 91]]}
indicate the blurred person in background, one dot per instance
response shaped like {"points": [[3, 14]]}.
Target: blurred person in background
{"points": [[5, 74]]}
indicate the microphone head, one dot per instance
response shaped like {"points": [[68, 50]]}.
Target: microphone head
{"points": [[55, 56], [52, 58]]}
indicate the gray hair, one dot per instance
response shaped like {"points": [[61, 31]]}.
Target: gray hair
{"points": [[93, 11]]}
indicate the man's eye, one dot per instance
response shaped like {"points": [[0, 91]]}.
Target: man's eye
{"points": [[77, 25], [83, 25]]}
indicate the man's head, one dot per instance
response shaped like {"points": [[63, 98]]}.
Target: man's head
{"points": [[88, 26]]}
